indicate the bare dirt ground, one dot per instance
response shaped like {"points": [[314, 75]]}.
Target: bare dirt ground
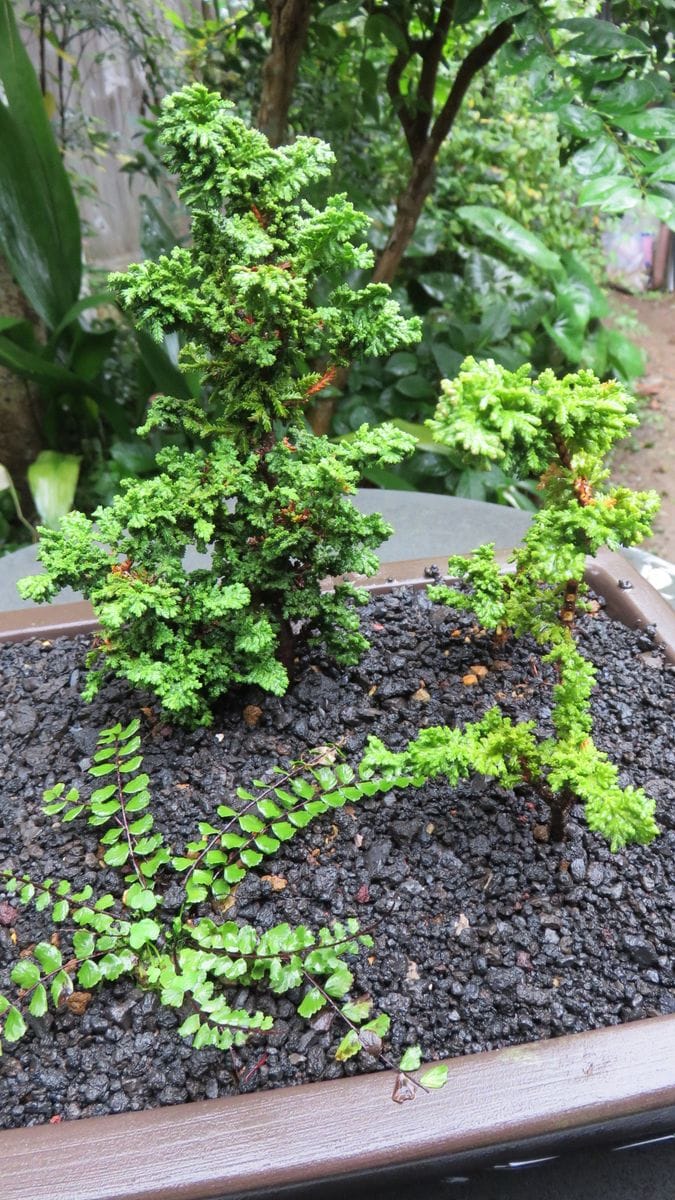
{"points": [[647, 459]]}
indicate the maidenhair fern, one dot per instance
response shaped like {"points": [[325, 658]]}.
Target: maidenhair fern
{"points": [[192, 960], [561, 430], [267, 496]]}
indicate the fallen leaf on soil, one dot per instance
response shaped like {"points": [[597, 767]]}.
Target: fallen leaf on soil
{"points": [[469, 679], [363, 894], [323, 1020], [430, 827], [370, 1042], [77, 1002], [412, 974], [404, 1089], [252, 714], [461, 923], [422, 695], [479, 670], [324, 755], [377, 627], [540, 833], [372, 690], [501, 664], [276, 882]]}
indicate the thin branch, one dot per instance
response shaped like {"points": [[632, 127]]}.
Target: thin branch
{"points": [[432, 54]]}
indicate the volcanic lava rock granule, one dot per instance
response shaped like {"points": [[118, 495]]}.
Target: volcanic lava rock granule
{"points": [[485, 934]]}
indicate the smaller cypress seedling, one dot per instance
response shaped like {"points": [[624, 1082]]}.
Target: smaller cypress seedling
{"points": [[562, 431], [267, 496]]}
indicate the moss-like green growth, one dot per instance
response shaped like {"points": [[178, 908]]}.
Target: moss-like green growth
{"points": [[268, 496], [561, 430]]}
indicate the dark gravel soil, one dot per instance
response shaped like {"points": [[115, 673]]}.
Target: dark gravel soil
{"points": [[485, 935]]}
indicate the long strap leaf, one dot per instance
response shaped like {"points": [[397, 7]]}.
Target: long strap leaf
{"points": [[39, 222]]}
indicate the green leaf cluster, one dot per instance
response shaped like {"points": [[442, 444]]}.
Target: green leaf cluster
{"points": [[268, 497], [191, 959], [561, 430]]}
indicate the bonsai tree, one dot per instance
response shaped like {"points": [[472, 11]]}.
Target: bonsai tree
{"points": [[260, 489], [562, 431]]}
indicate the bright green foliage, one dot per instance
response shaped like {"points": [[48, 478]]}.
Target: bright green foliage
{"points": [[191, 959], [561, 430], [268, 496]]}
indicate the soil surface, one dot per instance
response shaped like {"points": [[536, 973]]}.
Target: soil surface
{"points": [[485, 934], [647, 459]]}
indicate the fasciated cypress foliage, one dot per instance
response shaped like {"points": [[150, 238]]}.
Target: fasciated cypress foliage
{"points": [[260, 488], [562, 431]]}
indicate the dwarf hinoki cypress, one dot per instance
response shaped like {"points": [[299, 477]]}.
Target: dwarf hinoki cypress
{"points": [[562, 431], [267, 496]]}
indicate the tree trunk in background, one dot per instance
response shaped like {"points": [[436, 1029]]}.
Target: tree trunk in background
{"points": [[290, 21], [409, 208], [20, 432]]}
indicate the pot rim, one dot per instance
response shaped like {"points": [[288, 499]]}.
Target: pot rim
{"points": [[630, 598], [604, 1083]]}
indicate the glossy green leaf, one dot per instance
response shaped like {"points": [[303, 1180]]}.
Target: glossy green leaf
{"points": [[510, 235], [580, 121], [662, 207], [311, 1003], [52, 479], [142, 932], [505, 10], [48, 956], [35, 366], [15, 1026], [38, 1002], [349, 1046], [653, 123], [632, 95], [94, 300], [601, 157], [89, 974], [411, 1059], [39, 221], [25, 974], [333, 14], [435, 1077], [597, 38], [60, 911], [401, 363], [379, 25], [615, 194], [117, 855], [628, 359]]}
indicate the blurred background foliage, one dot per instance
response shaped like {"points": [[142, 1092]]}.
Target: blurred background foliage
{"points": [[488, 141]]}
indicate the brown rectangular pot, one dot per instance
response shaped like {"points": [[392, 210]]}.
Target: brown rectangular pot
{"points": [[326, 1139]]}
